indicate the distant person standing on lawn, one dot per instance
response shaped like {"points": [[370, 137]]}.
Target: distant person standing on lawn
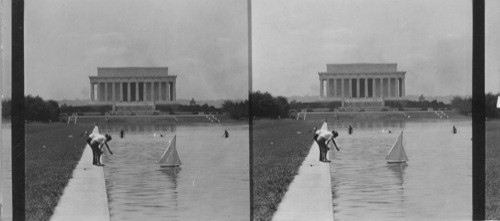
{"points": [[122, 133], [323, 138], [96, 142], [350, 129]]}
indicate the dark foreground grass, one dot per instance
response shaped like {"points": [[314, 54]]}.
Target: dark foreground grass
{"points": [[278, 152], [492, 170], [51, 154]]}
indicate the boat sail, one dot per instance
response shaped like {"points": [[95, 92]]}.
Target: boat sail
{"points": [[170, 158], [96, 130], [397, 153]]}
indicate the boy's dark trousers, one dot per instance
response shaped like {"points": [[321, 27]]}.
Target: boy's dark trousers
{"points": [[96, 152], [323, 149]]}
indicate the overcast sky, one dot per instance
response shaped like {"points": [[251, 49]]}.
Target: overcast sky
{"points": [[492, 46], [203, 42], [431, 40]]}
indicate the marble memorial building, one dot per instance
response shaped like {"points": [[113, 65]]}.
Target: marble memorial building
{"points": [[362, 81], [131, 85]]}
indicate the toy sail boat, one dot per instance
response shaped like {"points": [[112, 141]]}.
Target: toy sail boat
{"points": [[170, 158], [96, 130], [397, 153]]}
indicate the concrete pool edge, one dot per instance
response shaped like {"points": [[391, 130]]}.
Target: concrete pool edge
{"points": [[309, 196], [85, 197]]}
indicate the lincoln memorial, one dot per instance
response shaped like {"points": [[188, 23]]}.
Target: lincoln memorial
{"points": [[362, 81], [132, 85]]}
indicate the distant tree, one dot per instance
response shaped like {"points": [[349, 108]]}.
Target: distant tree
{"points": [[36, 109], [56, 110], [264, 105], [283, 106], [6, 108], [236, 110], [462, 105]]}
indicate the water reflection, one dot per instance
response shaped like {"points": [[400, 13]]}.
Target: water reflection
{"points": [[212, 167], [398, 170], [6, 173], [343, 125], [433, 185], [140, 129], [172, 174]]}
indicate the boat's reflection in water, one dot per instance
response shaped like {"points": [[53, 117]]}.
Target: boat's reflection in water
{"points": [[171, 174], [212, 168], [398, 170], [434, 184]]}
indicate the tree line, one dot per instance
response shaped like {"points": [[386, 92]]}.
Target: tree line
{"points": [[36, 109], [237, 110], [263, 105], [464, 105]]}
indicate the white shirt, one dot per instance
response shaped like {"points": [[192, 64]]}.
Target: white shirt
{"points": [[98, 138], [327, 135]]}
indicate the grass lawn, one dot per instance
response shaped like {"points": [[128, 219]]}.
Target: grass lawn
{"points": [[50, 157], [278, 152], [492, 170]]}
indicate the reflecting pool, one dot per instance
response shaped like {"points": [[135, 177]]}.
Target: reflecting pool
{"points": [[435, 184], [6, 172], [211, 184]]}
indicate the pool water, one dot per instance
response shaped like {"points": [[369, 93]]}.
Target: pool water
{"points": [[435, 184], [211, 184]]}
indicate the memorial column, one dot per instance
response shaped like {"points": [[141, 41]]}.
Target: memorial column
{"points": [[320, 87], [403, 87], [381, 87], [105, 91], [167, 91], [327, 87], [349, 86], [128, 91], [97, 94], [334, 83], [389, 93], [357, 87], [144, 91], [136, 87], [101, 91], [366, 87], [397, 83], [373, 87], [152, 91], [173, 92], [342, 87], [113, 93], [91, 91], [158, 98], [161, 90], [121, 91]]}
